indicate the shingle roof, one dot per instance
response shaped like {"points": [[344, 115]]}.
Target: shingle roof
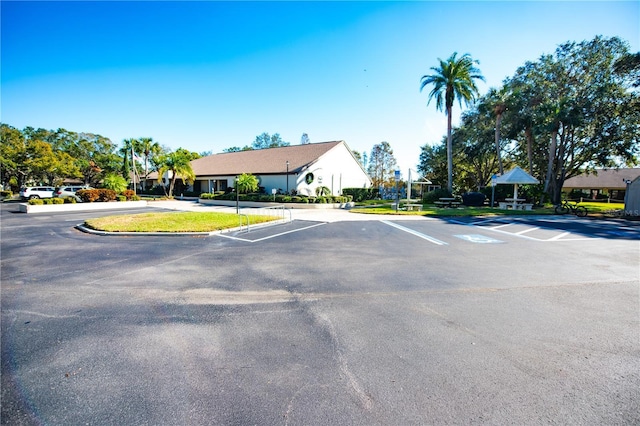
{"points": [[262, 161], [606, 178]]}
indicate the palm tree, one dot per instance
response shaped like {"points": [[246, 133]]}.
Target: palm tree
{"points": [[454, 78], [127, 144], [178, 164], [147, 147]]}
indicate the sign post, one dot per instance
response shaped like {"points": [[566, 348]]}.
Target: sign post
{"points": [[397, 177], [493, 188], [237, 197]]}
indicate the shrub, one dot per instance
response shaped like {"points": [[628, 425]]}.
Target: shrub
{"points": [[361, 194], [92, 195], [88, 195], [106, 195], [322, 190], [435, 195], [128, 194], [121, 198], [473, 199], [114, 182], [36, 202], [57, 201], [70, 200], [158, 190], [6, 194], [135, 198]]}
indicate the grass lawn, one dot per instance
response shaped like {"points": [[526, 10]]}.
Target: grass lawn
{"points": [[173, 222], [215, 221], [595, 209]]}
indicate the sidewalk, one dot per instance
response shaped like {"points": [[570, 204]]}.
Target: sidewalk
{"points": [[318, 215]]}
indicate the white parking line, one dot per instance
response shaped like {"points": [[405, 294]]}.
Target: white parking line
{"points": [[520, 234], [416, 233], [270, 236], [527, 230], [557, 237], [500, 226]]}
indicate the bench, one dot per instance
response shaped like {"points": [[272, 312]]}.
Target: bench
{"points": [[411, 207]]}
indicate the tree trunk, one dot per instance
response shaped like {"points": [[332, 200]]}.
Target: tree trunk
{"points": [[552, 157], [498, 122], [529, 134], [449, 152], [172, 184]]}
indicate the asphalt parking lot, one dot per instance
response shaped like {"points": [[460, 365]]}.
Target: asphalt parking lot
{"points": [[335, 318]]}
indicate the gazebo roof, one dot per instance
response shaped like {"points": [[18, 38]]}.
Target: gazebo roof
{"points": [[516, 175]]}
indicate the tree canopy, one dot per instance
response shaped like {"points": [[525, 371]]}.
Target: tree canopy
{"points": [[565, 114], [265, 140], [382, 164]]}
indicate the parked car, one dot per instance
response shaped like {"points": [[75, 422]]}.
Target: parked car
{"points": [[31, 192], [69, 191]]}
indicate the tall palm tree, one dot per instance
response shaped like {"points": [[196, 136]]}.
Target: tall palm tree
{"points": [[127, 162], [454, 78], [147, 147]]}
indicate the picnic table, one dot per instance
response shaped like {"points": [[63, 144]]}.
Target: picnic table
{"points": [[447, 202]]}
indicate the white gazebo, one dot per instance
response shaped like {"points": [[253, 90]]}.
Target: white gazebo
{"points": [[516, 177]]}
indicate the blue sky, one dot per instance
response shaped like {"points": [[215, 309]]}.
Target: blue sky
{"points": [[210, 75]]}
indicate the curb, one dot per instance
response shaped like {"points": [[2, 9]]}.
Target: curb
{"points": [[88, 230]]}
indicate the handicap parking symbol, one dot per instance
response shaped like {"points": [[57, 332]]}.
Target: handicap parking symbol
{"points": [[479, 239]]}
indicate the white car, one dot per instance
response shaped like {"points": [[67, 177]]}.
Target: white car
{"points": [[31, 192]]}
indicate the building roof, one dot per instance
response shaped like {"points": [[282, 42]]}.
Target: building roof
{"points": [[605, 179], [262, 161]]}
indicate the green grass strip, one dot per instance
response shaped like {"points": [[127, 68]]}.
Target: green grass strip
{"points": [[174, 222]]}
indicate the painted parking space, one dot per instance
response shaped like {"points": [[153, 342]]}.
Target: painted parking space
{"points": [[497, 230], [553, 229], [268, 232]]}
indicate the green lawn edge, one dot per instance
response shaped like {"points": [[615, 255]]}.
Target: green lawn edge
{"points": [[171, 222]]}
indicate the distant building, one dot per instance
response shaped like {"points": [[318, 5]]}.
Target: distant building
{"points": [[603, 183], [299, 168]]}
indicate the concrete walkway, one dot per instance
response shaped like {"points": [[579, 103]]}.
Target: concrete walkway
{"points": [[319, 215]]}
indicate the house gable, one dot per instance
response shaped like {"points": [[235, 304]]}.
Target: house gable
{"points": [[302, 168]]}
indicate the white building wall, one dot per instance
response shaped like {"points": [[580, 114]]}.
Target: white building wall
{"points": [[337, 169], [632, 198]]}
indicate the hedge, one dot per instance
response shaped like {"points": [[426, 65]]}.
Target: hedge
{"points": [[279, 198]]}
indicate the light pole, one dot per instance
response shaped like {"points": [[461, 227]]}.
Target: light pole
{"points": [[287, 177]]}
